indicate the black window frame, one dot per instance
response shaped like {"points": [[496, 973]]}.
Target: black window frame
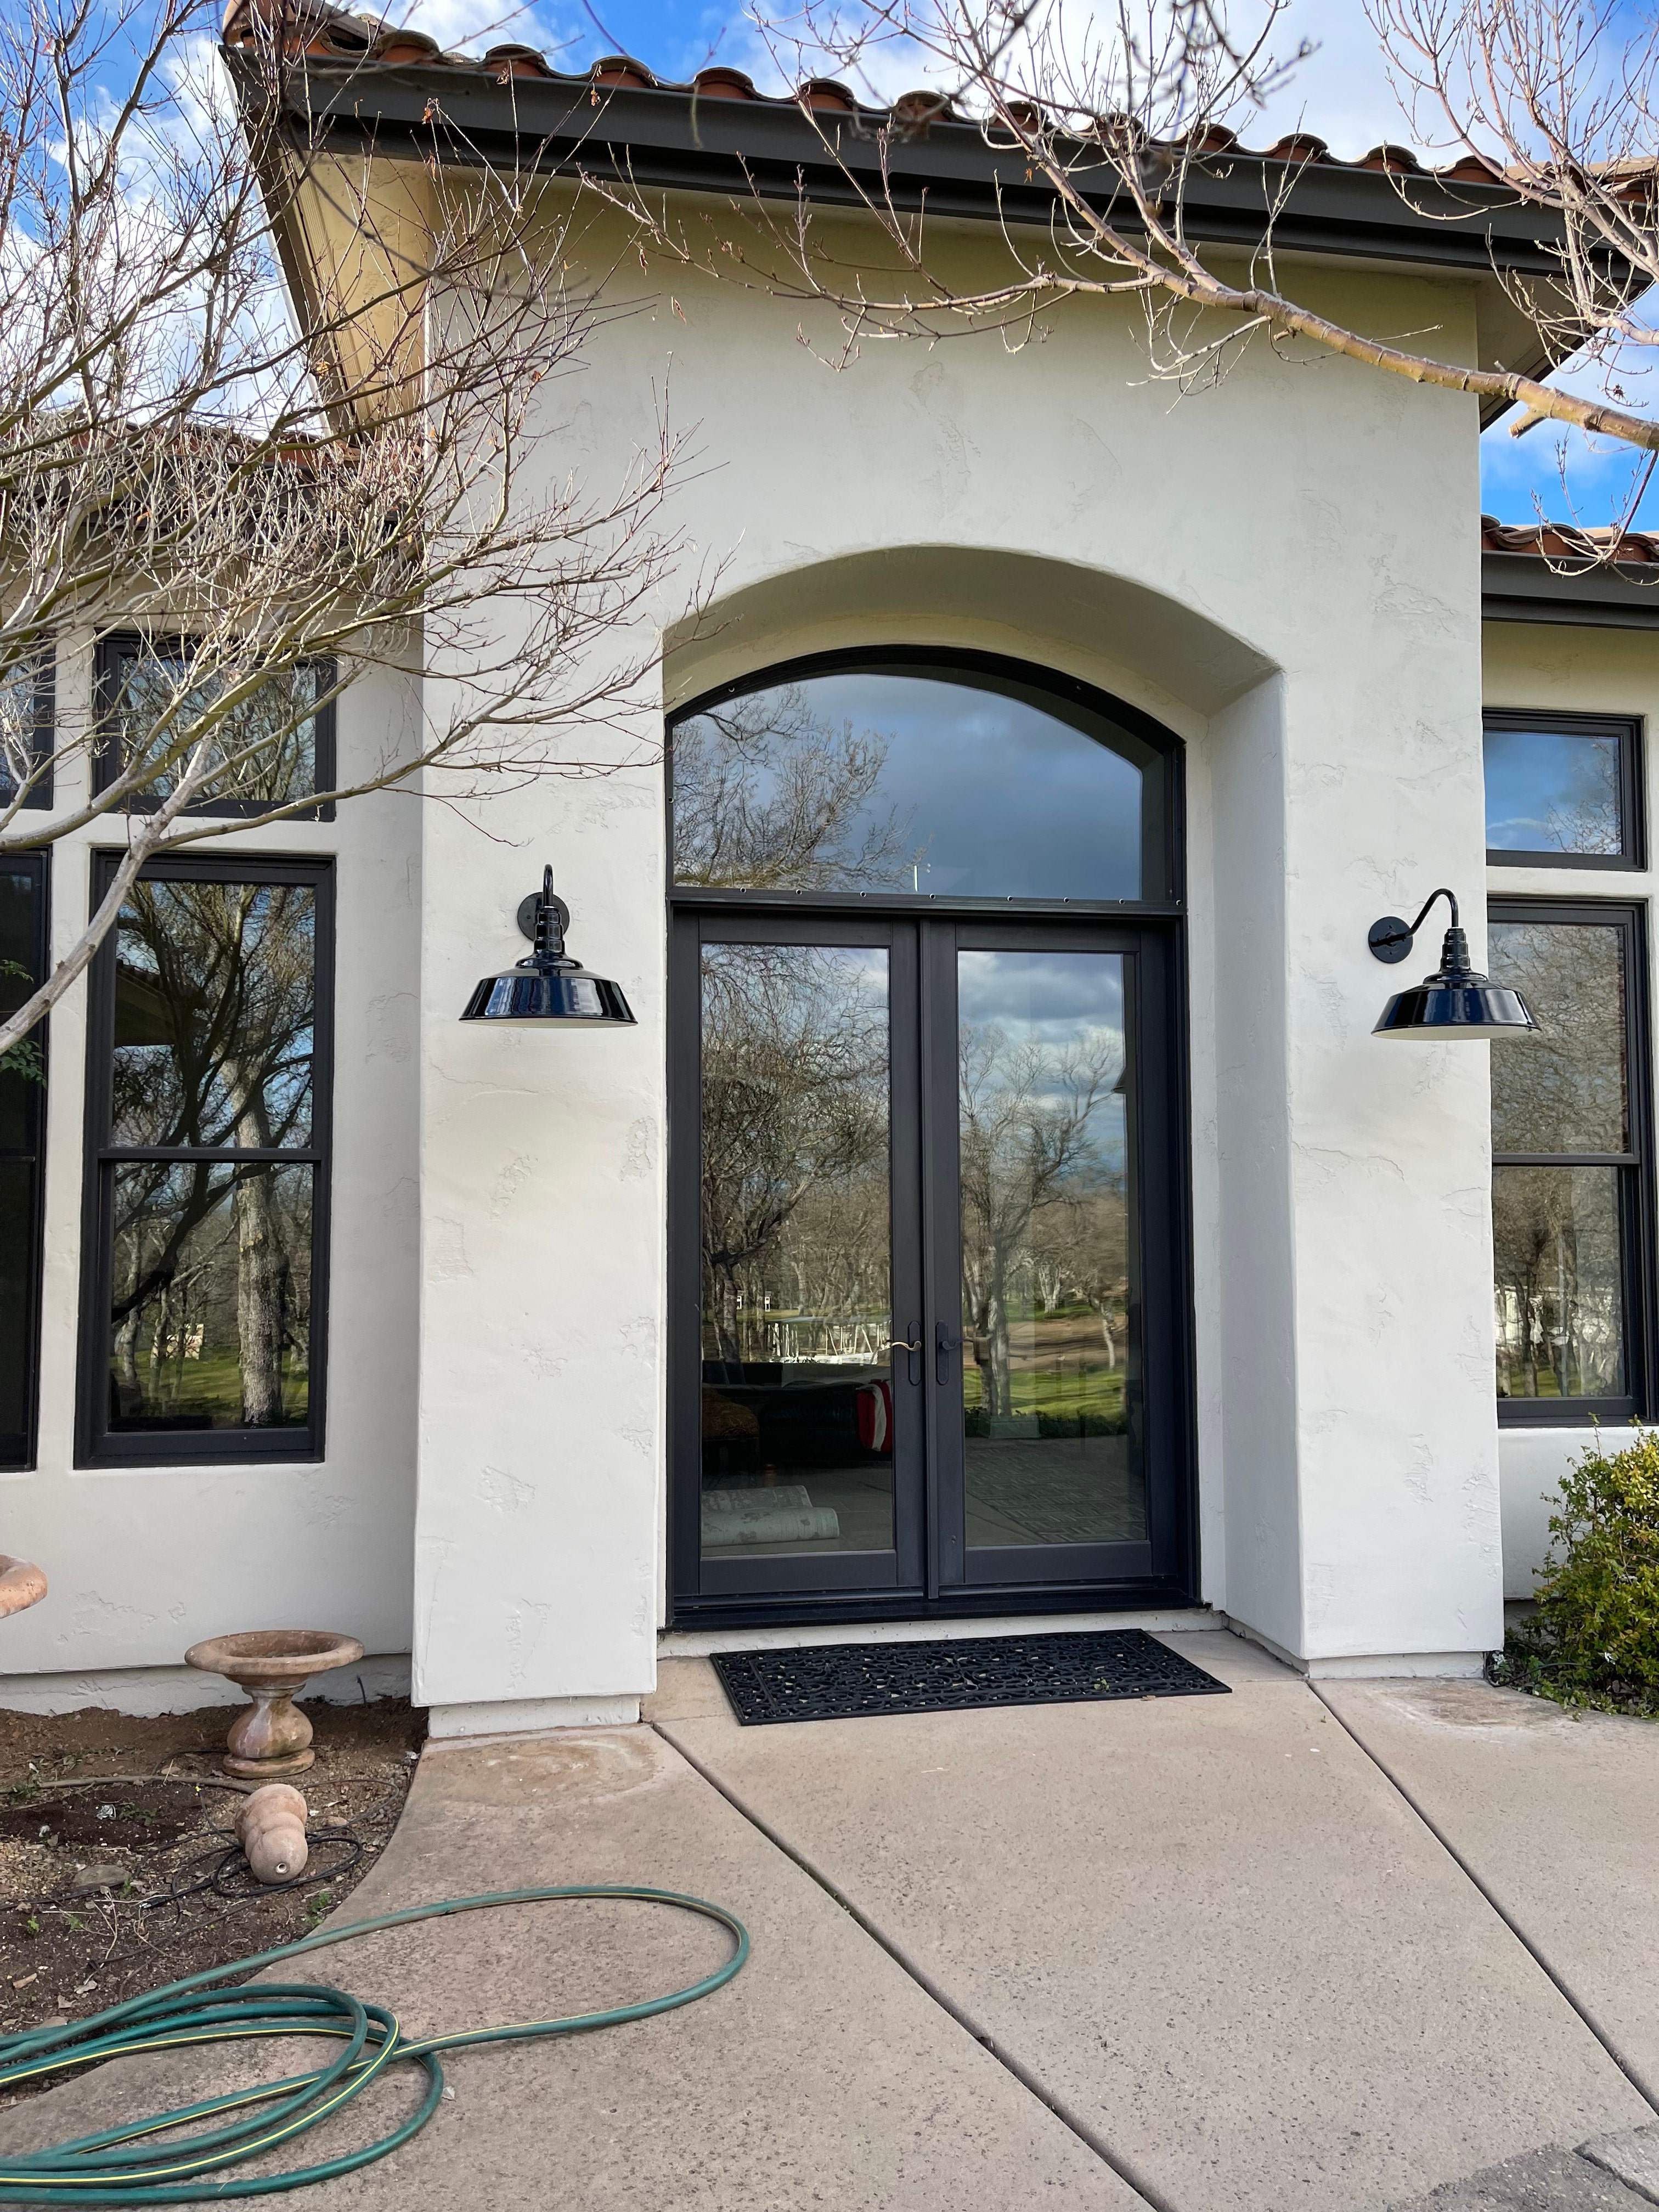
{"points": [[1634, 1169], [114, 645], [96, 1444], [45, 729], [1629, 730], [21, 1459], [1153, 928]]}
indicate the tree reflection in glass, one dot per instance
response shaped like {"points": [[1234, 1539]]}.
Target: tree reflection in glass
{"points": [[797, 1397], [214, 1011], [1046, 1297], [1559, 1304], [1558, 1279], [877, 780], [1553, 791], [266, 746]]}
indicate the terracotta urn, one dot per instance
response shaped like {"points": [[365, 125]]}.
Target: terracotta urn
{"points": [[21, 1585], [269, 1738]]}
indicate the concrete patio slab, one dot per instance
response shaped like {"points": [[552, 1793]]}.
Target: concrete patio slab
{"points": [[823, 2077], [1209, 1928], [1632, 2156], [1557, 1814]]}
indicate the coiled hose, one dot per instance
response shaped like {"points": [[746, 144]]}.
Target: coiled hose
{"points": [[118, 2166]]}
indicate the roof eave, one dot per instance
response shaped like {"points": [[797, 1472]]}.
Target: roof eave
{"points": [[675, 140]]}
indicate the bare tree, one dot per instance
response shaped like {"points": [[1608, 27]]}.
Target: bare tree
{"points": [[1121, 106], [276, 510]]}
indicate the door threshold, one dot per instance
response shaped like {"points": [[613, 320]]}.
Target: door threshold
{"points": [[700, 1643]]}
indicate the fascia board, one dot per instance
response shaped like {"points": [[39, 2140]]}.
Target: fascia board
{"points": [[1523, 587]]}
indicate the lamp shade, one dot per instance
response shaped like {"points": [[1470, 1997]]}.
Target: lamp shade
{"points": [[550, 986], [1456, 1002], [528, 994]]}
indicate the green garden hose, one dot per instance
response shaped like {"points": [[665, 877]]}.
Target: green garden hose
{"points": [[117, 2168]]}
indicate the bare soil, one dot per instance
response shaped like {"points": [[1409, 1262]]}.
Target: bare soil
{"points": [[146, 1805]]}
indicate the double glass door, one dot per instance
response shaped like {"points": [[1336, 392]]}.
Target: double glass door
{"points": [[926, 1336]]}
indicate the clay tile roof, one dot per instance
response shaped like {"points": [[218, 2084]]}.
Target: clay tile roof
{"points": [[1564, 541], [613, 69], [321, 30], [1300, 146], [1386, 156], [512, 60], [724, 84], [824, 93]]}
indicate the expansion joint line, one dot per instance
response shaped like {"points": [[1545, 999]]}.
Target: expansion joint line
{"points": [[1089, 2137], [1562, 1988]]}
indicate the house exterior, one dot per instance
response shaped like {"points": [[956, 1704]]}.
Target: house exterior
{"points": [[1000, 1209]]}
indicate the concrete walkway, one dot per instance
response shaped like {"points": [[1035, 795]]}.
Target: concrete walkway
{"points": [[1358, 1948]]}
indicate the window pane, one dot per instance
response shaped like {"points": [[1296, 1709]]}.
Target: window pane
{"points": [[1553, 791], [20, 730], [875, 781], [797, 1251], [17, 1226], [214, 1003], [210, 1315], [268, 745], [1047, 1346], [20, 911], [1563, 1090], [1559, 1305]]}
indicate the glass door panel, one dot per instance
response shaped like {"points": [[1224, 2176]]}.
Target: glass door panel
{"points": [[929, 1346], [800, 1434], [1048, 1457]]}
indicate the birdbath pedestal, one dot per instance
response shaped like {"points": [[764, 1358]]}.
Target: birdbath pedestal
{"points": [[269, 1739]]}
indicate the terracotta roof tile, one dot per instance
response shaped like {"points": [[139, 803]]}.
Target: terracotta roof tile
{"points": [[1564, 541]]}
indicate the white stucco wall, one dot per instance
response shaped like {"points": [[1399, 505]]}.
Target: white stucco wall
{"points": [[1589, 671], [143, 1561], [1284, 570]]}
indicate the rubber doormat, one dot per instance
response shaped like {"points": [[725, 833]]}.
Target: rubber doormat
{"points": [[844, 1681]]}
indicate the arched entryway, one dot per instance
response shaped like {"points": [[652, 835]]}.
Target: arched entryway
{"points": [[929, 1256]]}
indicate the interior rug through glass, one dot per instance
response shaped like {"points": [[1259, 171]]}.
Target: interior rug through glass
{"points": [[841, 1682]]}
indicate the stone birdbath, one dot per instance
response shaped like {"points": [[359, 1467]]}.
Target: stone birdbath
{"points": [[269, 1739], [21, 1585]]}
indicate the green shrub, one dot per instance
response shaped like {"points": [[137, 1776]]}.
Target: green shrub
{"points": [[1595, 1638]]}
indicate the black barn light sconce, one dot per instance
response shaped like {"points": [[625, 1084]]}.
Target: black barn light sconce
{"points": [[1455, 1001], [550, 986]]}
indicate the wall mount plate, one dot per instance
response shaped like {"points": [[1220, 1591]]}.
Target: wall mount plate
{"points": [[1390, 938]]}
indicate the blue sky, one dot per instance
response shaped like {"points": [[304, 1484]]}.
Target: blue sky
{"points": [[1341, 93]]}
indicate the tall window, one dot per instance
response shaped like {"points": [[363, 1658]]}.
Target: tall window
{"points": [[22, 1132], [208, 1124], [277, 746], [1563, 791], [1571, 1188]]}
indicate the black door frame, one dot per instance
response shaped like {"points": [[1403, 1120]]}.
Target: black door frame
{"points": [[1153, 929]]}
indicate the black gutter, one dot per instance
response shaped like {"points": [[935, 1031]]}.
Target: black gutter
{"points": [[1523, 587], [680, 141]]}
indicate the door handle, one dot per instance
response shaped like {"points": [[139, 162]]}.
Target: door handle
{"points": [[910, 1350], [945, 1342]]}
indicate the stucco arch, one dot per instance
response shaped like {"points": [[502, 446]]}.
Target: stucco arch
{"points": [[1161, 655]]}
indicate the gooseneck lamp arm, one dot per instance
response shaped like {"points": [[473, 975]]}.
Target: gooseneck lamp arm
{"points": [[1391, 931]]}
